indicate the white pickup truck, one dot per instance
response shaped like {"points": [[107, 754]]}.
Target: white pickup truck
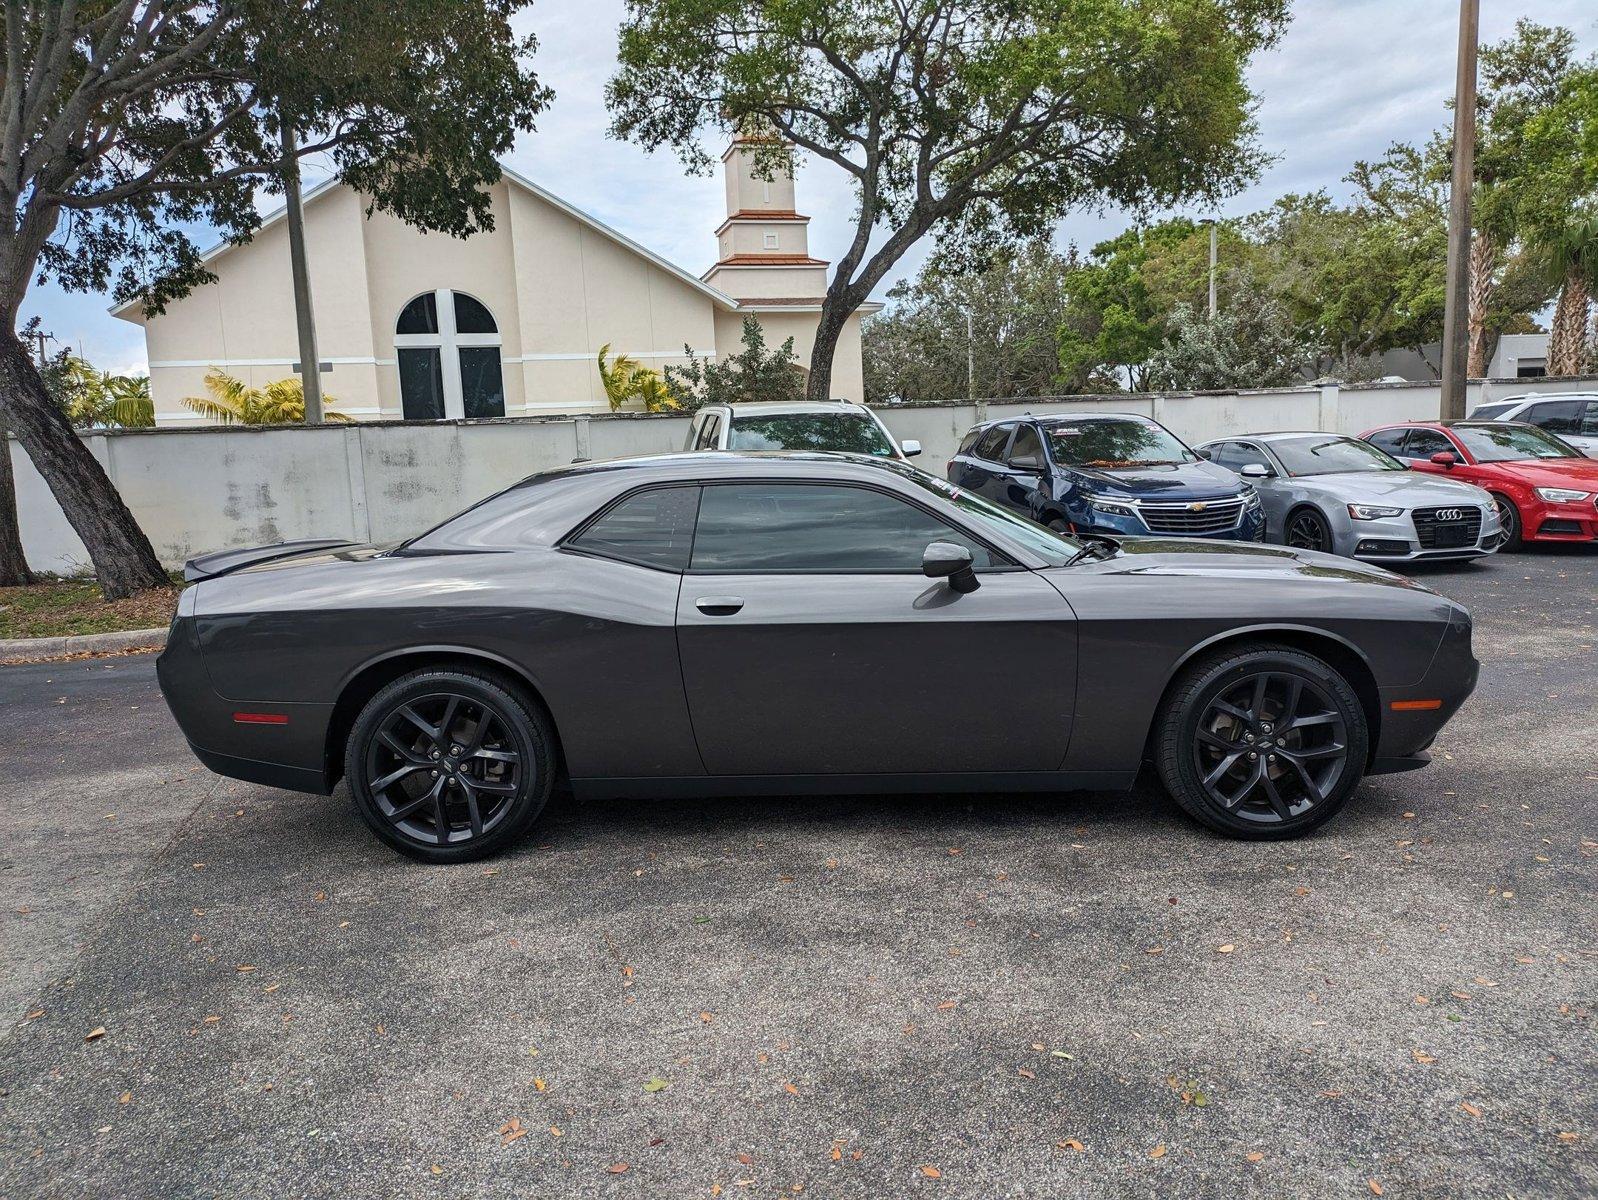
{"points": [[836, 426]]}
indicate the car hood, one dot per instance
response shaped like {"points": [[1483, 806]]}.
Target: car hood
{"points": [[1242, 560], [1579, 473], [1406, 489], [1180, 481]]}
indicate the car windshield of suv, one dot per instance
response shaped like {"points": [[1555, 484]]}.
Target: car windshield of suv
{"points": [[843, 432], [1056, 549], [1329, 455], [1510, 443], [1110, 443]]}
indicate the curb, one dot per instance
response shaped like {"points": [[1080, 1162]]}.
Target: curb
{"points": [[41, 649]]}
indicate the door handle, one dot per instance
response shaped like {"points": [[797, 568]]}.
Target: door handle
{"points": [[719, 606]]}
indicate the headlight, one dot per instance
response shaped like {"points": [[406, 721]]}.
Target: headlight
{"points": [[1112, 506], [1251, 499], [1556, 495], [1372, 512]]}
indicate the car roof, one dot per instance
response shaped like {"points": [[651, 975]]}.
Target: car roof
{"points": [[1278, 436], [779, 408], [1063, 419]]}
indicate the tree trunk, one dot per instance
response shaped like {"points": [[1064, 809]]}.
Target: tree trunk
{"points": [[1568, 335], [13, 563], [1483, 258], [835, 312], [123, 561]]}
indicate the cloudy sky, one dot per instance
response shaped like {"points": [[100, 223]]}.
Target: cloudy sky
{"points": [[1349, 78]]}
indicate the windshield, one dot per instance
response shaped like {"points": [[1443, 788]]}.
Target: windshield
{"points": [[1509, 443], [1115, 442], [844, 432], [1327, 455], [1054, 548], [1488, 412]]}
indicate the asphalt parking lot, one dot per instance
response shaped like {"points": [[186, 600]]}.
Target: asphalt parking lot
{"points": [[216, 989]]}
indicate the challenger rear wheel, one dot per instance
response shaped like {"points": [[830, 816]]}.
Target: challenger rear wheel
{"points": [[449, 765], [1261, 742]]}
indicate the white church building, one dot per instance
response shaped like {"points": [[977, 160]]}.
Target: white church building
{"points": [[423, 326]]}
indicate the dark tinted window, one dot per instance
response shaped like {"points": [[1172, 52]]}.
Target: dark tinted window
{"points": [[816, 528], [991, 447], [482, 383], [1589, 422], [1491, 412], [969, 442], [653, 528], [1390, 440], [1423, 443], [1115, 442], [1556, 416], [421, 375], [1229, 455], [471, 316], [842, 432], [1027, 442], [1325, 455], [708, 433], [420, 316], [1511, 443]]}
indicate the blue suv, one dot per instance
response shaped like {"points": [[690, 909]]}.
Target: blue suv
{"points": [[1113, 473]]}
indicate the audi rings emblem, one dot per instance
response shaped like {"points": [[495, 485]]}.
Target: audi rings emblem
{"points": [[1450, 514]]}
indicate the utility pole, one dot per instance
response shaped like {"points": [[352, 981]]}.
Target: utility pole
{"points": [[1214, 256], [1456, 313], [970, 360], [310, 362]]}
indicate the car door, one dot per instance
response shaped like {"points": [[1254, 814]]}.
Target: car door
{"points": [[987, 477], [1271, 489], [1025, 471], [811, 644]]}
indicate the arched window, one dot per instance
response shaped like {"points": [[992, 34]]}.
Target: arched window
{"points": [[448, 349]]}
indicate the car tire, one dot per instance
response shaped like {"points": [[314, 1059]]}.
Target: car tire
{"points": [[1511, 538], [450, 765], [1307, 529], [1296, 782]]}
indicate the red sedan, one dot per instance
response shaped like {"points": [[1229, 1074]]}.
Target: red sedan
{"points": [[1545, 490]]}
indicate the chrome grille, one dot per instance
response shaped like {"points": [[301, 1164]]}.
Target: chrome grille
{"points": [[1193, 517], [1447, 527]]}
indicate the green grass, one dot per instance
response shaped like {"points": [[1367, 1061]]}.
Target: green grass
{"points": [[62, 607]]}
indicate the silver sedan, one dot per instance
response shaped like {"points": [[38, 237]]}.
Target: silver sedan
{"points": [[1323, 491]]}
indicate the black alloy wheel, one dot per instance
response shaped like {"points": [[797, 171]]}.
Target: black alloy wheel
{"points": [[448, 765], [1509, 535], [1263, 742], [1307, 530]]}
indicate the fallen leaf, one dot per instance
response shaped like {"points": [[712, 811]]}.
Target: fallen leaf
{"points": [[1158, 1151], [1155, 950], [511, 1131], [125, 1098], [932, 1172], [1421, 1056], [707, 1017], [1226, 949], [1376, 1188], [538, 1082], [555, 1131], [1254, 1156], [617, 1168], [1470, 1108], [1024, 1072], [656, 1084], [1568, 1138], [857, 1155], [94, 1034], [1301, 891], [34, 1015], [1059, 1054], [244, 968], [790, 1089], [837, 1153], [1070, 1144], [946, 1005], [832, 864], [745, 1160]]}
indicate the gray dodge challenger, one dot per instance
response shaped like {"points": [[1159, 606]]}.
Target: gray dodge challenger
{"points": [[731, 624]]}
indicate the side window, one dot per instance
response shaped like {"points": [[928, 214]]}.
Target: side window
{"points": [[991, 447], [817, 529], [969, 442], [1589, 422], [1556, 416], [1226, 454], [1027, 442], [1246, 454], [1390, 440], [709, 433], [1423, 443], [652, 528]]}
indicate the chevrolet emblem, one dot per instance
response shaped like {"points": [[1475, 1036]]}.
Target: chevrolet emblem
{"points": [[1199, 506]]}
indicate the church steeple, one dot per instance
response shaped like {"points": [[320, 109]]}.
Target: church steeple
{"points": [[763, 249]]}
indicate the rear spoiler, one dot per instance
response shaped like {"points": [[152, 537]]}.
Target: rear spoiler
{"points": [[209, 566]]}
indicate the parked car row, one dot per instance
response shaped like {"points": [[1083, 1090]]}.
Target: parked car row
{"points": [[1570, 416], [1418, 491]]}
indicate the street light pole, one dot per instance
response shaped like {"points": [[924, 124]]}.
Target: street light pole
{"points": [[310, 363], [1214, 256], [1456, 314]]}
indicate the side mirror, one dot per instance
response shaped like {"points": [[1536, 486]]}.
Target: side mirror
{"points": [[1256, 471], [1027, 462], [1445, 458], [945, 560], [910, 447], [1205, 453]]}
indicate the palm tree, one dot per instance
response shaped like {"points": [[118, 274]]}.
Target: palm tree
{"points": [[233, 402], [624, 379], [99, 400], [1572, 257]]}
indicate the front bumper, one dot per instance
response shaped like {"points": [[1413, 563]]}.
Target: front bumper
{"points": [[1569, 521], [1408, 725], [1395, 540]]}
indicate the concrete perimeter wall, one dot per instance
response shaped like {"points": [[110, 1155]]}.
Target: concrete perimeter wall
{"points": [[196, 490]]}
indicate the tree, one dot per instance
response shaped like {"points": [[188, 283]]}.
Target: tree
{"points": [[978, 121], [126, 122], [95, 399], [1252, 343], [233, 402], [624, 379], [1572, 263], [992, 329], [750, 376]]}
